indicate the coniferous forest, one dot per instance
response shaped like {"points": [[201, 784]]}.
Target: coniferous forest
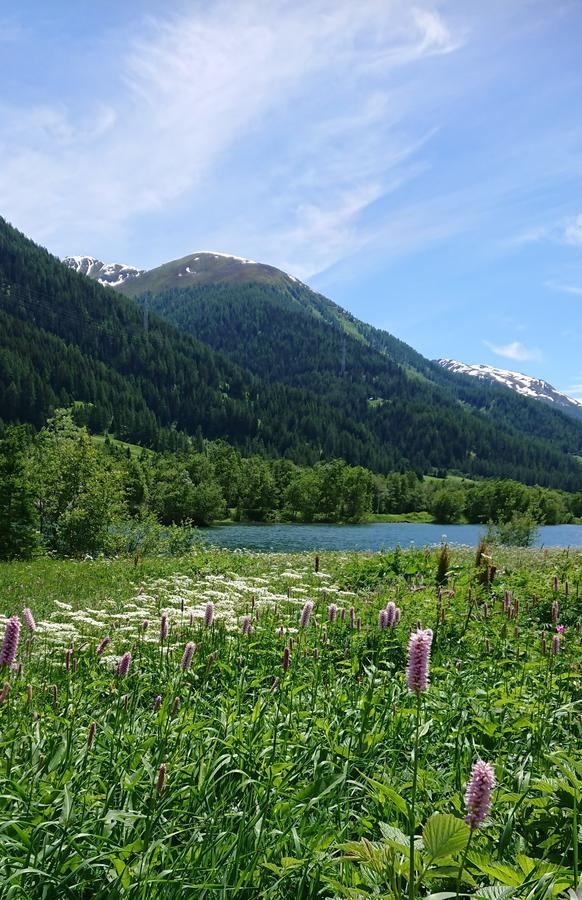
{"points": [[243, 366]]}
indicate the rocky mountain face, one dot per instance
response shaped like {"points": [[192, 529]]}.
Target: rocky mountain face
{"points": [[109, 274], [535, 388]]}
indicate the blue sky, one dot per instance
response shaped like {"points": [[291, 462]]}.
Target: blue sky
{"points": [[419, 163]]}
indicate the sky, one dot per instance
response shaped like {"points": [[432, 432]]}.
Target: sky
{"points": [[420, 163]]}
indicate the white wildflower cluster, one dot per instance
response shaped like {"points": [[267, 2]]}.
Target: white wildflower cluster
{"points": [[184, 599]]}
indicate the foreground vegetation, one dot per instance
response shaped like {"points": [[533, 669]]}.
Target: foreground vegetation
{"points": [[230, 740]]}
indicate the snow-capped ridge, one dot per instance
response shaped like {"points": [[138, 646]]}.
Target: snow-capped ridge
{"points": [[109, 274], [535, 388]]}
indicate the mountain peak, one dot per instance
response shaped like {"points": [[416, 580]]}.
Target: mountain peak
{"points": [[535, 388], [109, 274]]}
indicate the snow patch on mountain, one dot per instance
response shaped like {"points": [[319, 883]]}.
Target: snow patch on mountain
{"points": [[535, 388], [109, 274]]}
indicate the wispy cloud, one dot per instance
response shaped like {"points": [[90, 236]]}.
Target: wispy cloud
{"points": [[574, 289], [573, 231], [310, 88], [564, 231], [515, 351]]}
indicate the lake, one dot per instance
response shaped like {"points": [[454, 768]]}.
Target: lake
{"points": [[375, 536]]}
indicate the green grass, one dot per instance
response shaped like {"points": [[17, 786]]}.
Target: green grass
{"points": [[422, 517], [299, 787]]}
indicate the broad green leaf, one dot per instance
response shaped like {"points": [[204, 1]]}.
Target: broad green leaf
{"points": [[394, 835], [444, 835], [493, 893]]}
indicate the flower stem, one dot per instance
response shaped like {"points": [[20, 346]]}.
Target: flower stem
{"points": [[463, 861], [412, 810]]}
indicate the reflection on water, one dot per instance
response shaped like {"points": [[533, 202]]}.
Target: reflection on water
{"points": [[376, 536]]}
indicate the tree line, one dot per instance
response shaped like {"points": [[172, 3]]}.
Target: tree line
{"points": [[66, 492]]}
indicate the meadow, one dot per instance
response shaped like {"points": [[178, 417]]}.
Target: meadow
{"points": [[230, 724]]}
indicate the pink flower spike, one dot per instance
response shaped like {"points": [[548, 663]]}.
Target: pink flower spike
{"points": [[187, 657], [209, 614], [123, 664], [101, 647], [417, 672], [28, 619], [10, 642], [305, 614], [478, 794]]}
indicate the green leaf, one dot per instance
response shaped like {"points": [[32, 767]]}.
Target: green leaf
{"points": [[444, 835], [384, 791], [493, 893], [394, 835]]}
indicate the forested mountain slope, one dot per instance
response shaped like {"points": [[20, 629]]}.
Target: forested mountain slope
{"points": [[317, 390], [289, 334]]}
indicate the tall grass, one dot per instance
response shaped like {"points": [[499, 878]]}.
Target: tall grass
{"points": [[235, 777]]}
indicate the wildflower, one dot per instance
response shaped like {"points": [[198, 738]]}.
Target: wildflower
{"points": [[145, 625], [91, 734], [560, 629], [68, 657], [55, 694], [164, 627], [352, 617], [4, 692], [485, 611], [315, 654], [176, 705], [106, 640], [555, 645], [29, 693], [211, 661], [478, 794], [28, 619], [358, 624], [417, 672], [305, 614], [555, 585], [390, 613], [157, 702], [10, 642], [286, 659], [187, 657], [343, 614], [209, 614], [123, 664], [332, 612], [20, 670], [246, 625], [275, 685], [398, 613], [161, 780], [125, 702], [383, 619], [555, 612]]}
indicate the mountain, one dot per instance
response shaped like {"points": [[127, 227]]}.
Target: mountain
{"points": [[287, 334], [535, 388], [66, 339], [111, 274], [267, 364]]}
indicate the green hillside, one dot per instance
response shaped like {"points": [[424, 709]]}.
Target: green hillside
{"points": [[269, 366]]}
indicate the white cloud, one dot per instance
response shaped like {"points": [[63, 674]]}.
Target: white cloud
{"points": [[197, 87], [565, 288], [514, 350], [573, 231]]}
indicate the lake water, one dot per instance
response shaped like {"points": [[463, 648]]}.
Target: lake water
{"points": [[376, 536]]}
